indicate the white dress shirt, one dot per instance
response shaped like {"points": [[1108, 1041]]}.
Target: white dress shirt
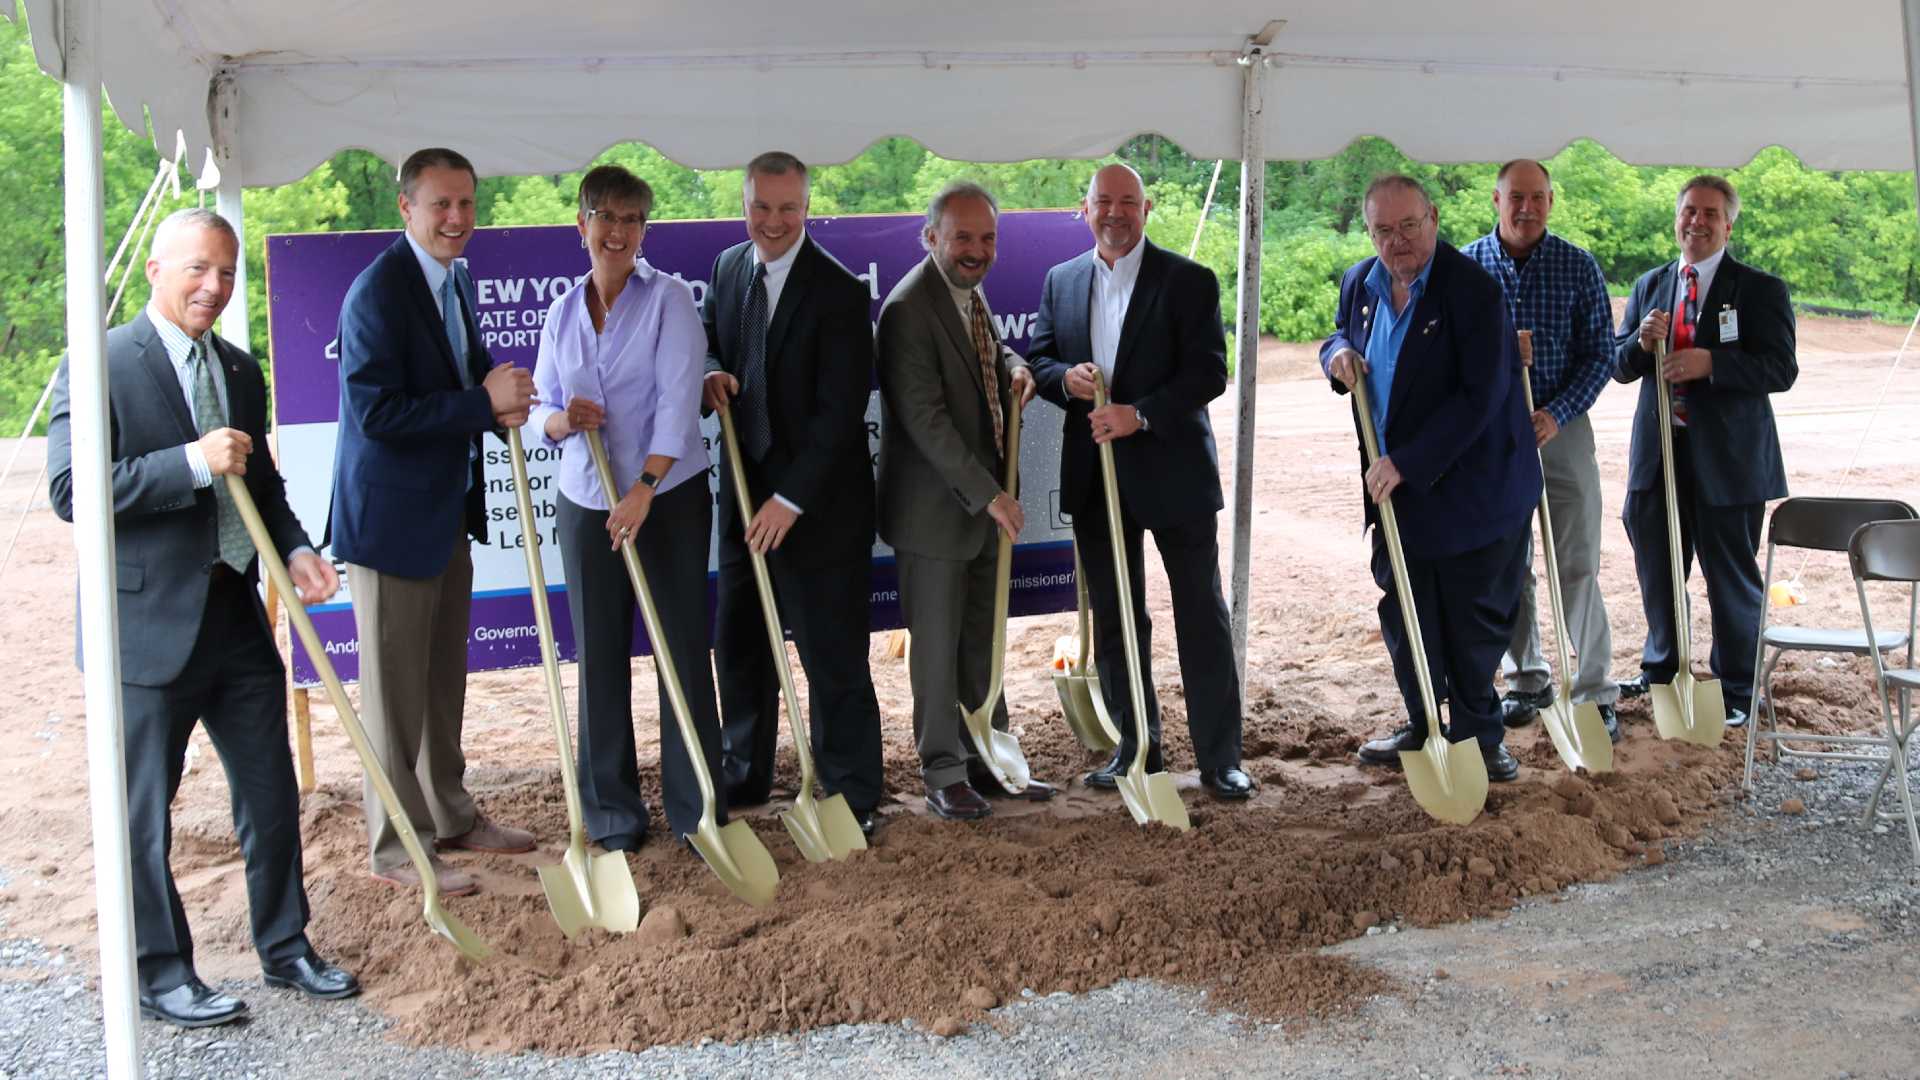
{"points": [[1705, 269], [1112, 292], [179, 346]]}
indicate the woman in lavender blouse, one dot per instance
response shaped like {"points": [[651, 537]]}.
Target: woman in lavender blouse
{"points": [[624, 352]]}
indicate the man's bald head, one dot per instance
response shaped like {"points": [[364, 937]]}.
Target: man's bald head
{"points": [[1116, 209], [192, 267]]}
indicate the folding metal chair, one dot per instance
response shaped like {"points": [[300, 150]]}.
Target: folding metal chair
{"points": [[1890, 551], [1816, 525]]}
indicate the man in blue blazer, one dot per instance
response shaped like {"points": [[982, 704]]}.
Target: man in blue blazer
{"points": [[1149, 322], [1428, 329], [186, 410], [417, 391], [1732, 344]]}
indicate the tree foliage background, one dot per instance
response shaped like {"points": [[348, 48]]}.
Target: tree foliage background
{"points": [[1846, 240]]}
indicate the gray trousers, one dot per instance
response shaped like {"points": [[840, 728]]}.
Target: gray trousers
{"points": [[413, 696], [1573, 494], [948, 605]]}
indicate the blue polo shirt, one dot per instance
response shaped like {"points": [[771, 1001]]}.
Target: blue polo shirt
{"points": [[1389, 333]]}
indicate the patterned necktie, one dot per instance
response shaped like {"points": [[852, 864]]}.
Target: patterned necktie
{"points": [[750, 411], [456, 326], [988, 352], [236, 547], [1683, 330]]}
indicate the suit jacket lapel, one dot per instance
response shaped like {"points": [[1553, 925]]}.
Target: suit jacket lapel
{"points": [[1153, 274], [1076, 307], [153, 357], [1725, 290], [940, 296], [792, 295], [423, 300]]}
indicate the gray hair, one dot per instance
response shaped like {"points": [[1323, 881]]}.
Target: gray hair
{"points": [[777, 163], [192, 217], [1717, 183], [1390, 182], [957, 189]]}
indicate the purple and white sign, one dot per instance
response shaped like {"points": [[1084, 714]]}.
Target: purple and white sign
{"points": [[517, 273]]}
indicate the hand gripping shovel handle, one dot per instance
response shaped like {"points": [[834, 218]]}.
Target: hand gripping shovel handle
{"points": [[350, 720], [662, 656], [1390, 529], [1123, 584], [549, 659], [776, 637]]}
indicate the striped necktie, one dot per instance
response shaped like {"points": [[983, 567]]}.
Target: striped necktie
{"points": [[989, 353], [236, 547]]}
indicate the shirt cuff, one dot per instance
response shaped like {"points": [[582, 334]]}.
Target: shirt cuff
{"points": [[197, 465], [788, 503], [297, 552]]}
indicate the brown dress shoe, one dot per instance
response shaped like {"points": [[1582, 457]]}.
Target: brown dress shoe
{"points": [[958, 802], [452, 882], [1035, 791], [490, 837]]}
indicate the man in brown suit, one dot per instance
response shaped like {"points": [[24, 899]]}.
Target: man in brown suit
{"points": [[947, 387]]}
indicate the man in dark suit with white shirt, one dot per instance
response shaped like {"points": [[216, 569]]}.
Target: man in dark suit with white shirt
{"points": [[1149, 322], [790, 347], [187, 410], [1730, 332]]}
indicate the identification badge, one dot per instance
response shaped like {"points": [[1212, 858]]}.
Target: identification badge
{"points": [[1729, 326]]}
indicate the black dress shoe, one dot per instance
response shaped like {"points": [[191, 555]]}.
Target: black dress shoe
{"points": [[313, 977], [1106, 777], [1231, 782], [192, 1004], [1610, 718], [748, 794], [1501, 767], [1634, 687], [867, 820], [958, 802], [984, 783], [1386, 749], [1519, 707]]}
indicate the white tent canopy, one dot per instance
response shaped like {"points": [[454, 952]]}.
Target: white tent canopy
{"points": [[525, 88], [269, 88]]}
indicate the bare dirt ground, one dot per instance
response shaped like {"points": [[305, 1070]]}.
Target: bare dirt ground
{"points": [[942, 923]]}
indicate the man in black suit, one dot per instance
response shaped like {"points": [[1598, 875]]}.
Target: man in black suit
{"points": [[790, 348], [187, 410], [1149, 322], [1730, 333]]}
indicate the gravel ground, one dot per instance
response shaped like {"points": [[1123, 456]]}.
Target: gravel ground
{"points": [[1779, 945]]}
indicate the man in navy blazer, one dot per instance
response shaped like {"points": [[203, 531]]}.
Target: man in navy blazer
{"points": [[417, 391], [1428, 329], [1732, 345], [1149, 321]]}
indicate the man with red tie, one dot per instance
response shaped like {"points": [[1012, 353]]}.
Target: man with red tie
{"points": [[1730, 335]]}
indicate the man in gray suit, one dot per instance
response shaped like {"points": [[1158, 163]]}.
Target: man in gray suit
{"points": [[947, 386], [187, 410]]}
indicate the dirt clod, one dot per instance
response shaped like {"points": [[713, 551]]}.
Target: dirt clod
{"points": [[1793, 807], [662, 926], [981, 998], [1363, 920], [946, 1027]]}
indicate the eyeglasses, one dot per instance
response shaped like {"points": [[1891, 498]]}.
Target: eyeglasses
{"points": [[610, 219], [1407, 230]]}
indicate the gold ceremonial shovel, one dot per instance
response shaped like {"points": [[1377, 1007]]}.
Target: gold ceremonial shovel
{"points": [[1579, 734], [1447, 782], [439, 918], [1078, 685], [734, 854], [1000, 750], [1149, 796], [825, 829], [1690, 709], [581, 890]]}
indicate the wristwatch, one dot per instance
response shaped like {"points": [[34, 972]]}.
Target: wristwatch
{"points": [[1142, 417], [649, 479]]}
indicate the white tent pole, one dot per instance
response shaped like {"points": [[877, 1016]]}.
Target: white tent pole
{"points": [[1253, 200], [93, 532], [234, 324], [1910, 21]]}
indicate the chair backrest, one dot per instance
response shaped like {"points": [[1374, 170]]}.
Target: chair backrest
{"points": [[1829, 524], [1886, 551]]}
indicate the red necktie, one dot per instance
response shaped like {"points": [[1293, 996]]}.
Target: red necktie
{"points": [[1683, 338]]}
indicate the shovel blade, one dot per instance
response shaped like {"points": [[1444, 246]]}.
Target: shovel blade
{"points": [[1579, 736], [999, 750], [824, 829], [1085, 713], [1449, 782], [739, 860], [1691, 710], [1152, 797], [585, 891], [468, 942]]}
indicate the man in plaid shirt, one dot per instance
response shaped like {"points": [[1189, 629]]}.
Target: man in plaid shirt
{"points": [[1555, 290]]}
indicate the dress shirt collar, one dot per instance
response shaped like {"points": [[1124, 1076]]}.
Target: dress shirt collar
{"points": [[430, 266], [175, 340], [962, 298], [1380, 282], [1705, 267], [785, 262], [1126, 268]]}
